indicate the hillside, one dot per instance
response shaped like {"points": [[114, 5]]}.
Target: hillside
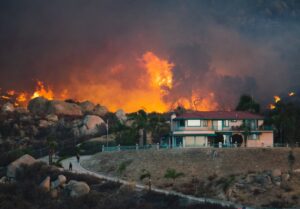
{"points": [[250, 176]]}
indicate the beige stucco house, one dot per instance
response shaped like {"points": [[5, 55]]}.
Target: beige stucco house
{"points": [[215, 128]]}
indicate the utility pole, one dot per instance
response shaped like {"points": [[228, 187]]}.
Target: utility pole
{"points": [[107, 133]]}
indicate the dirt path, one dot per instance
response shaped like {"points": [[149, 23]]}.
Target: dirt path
{"points": [[79, 169]]}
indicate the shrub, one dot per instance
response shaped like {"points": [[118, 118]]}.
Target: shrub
{"points": [[122, 167], [173, 174]]}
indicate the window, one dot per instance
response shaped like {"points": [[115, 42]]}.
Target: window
{"points": [[233, 121], [204, 123], [181, 123], [193, 123], [226, 123]]}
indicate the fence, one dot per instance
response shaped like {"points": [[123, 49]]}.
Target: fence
{"points": [[180, 146]]}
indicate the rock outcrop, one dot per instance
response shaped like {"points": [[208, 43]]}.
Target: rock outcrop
{"points": [[91, 125], [77, 188], [38, 106], [41, 106], [61, 180], [63, 108], [13, 167], [100, 110], [121, 115], [45, 184], [87, 107], [8, 107]]}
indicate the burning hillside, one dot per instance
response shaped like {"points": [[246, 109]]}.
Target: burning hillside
{"points": [[151, 87]]}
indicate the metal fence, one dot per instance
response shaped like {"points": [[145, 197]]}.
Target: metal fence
{"points": [[180, 146]]}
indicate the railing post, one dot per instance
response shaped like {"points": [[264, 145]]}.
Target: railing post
{"points": [[235, 144], [220, 144], [119, 147], [157, 146], [136, 147], [102, 148], [180, 145]]}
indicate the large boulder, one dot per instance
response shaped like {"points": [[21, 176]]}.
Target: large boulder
{"points": [[56, 107], [87, 107], [52, 118], [45, 184], [100, 110], [276, 173], [8, 107], [13, 167], [121, 115], [77, 188], [61, 179], [91, 124], [21, 110], [38, 106], [45, 123]]}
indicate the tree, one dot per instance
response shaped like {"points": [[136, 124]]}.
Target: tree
{"points": [[291, 161], [246, 132], [52, 145], [146, 175], [173, 174], [247, 103]]}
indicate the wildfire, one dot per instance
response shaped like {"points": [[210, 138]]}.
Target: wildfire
{"points": [[149, 89], [277, 99], [42, 91], [22, 97], [272, 106], [160, 71], [292, 94], [11, 92]]}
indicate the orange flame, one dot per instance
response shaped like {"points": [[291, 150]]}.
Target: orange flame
{"points": [[149, 91], [11, 92], [272, 106], [42, 91], [22, 97], [277, 99], [160, 70], [292, 94]]}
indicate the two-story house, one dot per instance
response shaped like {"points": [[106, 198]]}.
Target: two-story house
{"points": [[209, 128]]}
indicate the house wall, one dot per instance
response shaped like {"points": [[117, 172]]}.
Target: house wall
{"points": [[190, 141], [236, 123], [265, 140]]}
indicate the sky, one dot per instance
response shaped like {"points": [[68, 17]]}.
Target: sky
{"points": [[216, 50]]}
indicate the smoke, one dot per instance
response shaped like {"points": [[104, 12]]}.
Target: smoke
{"points": [[94, 48]]}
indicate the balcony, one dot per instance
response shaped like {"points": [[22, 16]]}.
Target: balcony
{"points": [[214, 128]]}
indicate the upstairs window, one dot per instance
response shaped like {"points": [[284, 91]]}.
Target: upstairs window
{"points": [[181, 123], [205, 123], [226, 123], [193, 123]]}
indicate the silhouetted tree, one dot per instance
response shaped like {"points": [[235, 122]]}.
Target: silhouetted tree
{"points": [[247, 103]]}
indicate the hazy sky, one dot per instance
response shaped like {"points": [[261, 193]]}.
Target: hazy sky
{"points": [[226, 47]]}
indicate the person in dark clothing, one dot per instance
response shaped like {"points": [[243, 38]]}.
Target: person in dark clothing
{"points": [[78, 157], [70, 166]]}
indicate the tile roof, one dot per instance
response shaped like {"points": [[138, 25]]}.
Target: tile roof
{"points": [[233, 115]]}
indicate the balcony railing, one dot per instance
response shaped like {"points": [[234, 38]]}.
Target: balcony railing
{"points": [[214, 128]]}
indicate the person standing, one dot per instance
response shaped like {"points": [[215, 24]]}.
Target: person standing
{"points": [[70, 166], [78, 157]]}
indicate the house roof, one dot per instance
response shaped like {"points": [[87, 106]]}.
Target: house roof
{"points": [[230, 115]]}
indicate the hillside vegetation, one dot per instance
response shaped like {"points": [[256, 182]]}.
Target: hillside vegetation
{"points": [[260, 177]]}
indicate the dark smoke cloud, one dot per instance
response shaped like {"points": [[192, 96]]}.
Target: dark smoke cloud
{"points": [[225, 47]]}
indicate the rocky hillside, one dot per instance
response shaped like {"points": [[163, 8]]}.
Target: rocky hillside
{"points": [[66, 122], [38, 186], [259, 177]]}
